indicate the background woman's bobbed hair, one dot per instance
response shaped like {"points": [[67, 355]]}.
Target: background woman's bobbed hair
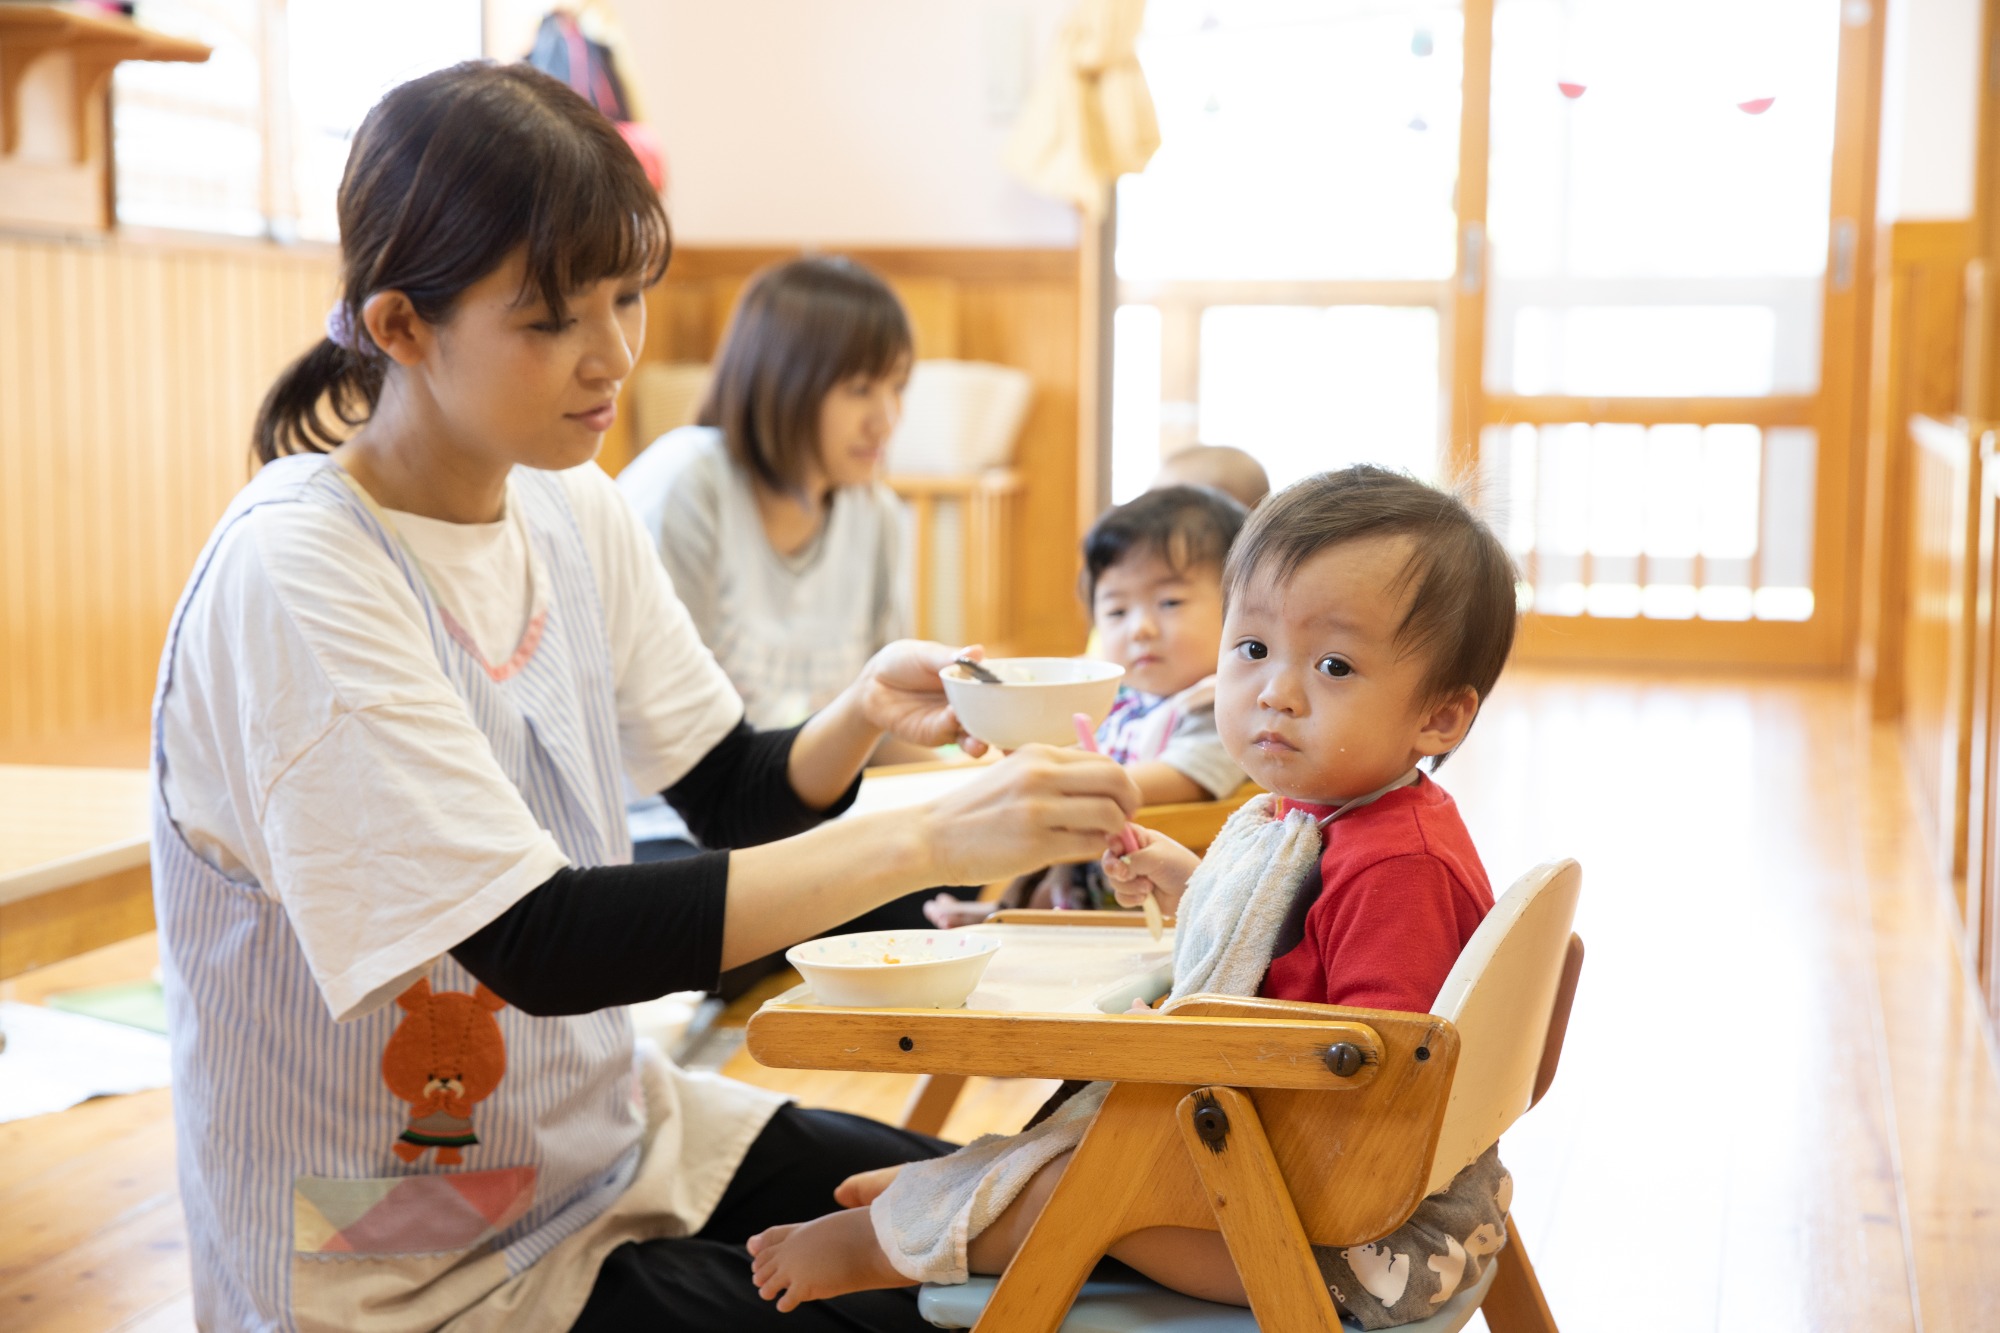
{"points": [[449, 175], [799, 329]]}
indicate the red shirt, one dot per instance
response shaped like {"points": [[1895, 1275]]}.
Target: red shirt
{"points": [[1401, 891]]}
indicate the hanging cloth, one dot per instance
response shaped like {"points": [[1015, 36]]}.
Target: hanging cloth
{"points": [[562, 50], [1089, 118]]}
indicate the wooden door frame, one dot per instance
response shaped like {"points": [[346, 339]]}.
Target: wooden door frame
{"points": [[1837, 413]]}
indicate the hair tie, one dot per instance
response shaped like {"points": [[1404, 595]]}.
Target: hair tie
{"points": [[340, 328]]}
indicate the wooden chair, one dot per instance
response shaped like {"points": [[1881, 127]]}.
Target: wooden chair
{"points": [[1278, 1169]]}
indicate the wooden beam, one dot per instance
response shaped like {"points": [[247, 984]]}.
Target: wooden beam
{"points": [[1503, 409]]}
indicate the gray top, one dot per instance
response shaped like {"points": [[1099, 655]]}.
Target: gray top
{"points": [[790, 631]]}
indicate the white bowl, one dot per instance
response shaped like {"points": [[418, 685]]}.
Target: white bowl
{"points": [[1035, 701], [933, 969]]}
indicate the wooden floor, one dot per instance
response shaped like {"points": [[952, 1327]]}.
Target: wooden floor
{"points": [[1778, 1108]]}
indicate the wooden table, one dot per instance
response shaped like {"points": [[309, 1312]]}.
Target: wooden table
{"points": [[74, 871]]}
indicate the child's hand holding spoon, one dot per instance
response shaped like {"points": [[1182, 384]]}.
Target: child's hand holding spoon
{"points": [[1128, 838]]}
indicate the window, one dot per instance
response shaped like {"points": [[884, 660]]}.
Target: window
{"points": [[253, 142], [1284, 262]]}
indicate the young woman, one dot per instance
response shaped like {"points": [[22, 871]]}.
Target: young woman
{"points": [[405, 685]]}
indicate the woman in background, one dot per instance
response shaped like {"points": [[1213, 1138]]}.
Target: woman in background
{"points": [[770, 514]]}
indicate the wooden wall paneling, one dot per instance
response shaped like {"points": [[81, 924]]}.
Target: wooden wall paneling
{"points": [[1982, 860], [1938, 708], [1914, 369], [129, 376]]}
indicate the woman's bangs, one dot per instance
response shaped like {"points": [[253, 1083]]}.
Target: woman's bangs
{"points": [[878, 341], [595, 219]]}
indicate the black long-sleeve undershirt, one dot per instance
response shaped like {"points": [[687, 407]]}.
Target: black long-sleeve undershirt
{"points": [[590, 937]]}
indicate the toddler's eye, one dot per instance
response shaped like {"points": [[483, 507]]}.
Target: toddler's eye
{"points": [[1253, 651], [1336, 667]]}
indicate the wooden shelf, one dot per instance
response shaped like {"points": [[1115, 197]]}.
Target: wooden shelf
{"points": [[55, 64]]}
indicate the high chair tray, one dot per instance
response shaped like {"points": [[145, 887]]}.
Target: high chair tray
{"points": [[1055, 1003], [1060, 969]]}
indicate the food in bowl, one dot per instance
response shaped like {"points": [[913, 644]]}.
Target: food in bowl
{"points": [[1036, 700], [894, 969]]}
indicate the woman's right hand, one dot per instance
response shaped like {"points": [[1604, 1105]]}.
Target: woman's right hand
{"points": [[1160, 867], [1039, 806]]}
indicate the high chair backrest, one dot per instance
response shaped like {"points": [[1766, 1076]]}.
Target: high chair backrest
{"points": [[1500, 996]]}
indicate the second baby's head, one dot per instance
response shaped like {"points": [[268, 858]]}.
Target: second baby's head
{"points": [[1153, 578], [1367, 617]]}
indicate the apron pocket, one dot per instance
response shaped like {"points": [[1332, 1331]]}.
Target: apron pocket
{"points": [[406, 1215]]}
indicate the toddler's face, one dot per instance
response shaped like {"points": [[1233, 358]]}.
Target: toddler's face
{"points": [[1314, 698], [1163, 627]]}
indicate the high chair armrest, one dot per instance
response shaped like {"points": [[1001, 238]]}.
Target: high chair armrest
{"points": [[1251, 1051], [1421, 1038]]}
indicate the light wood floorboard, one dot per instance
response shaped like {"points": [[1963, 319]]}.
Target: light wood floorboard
{"points": [[1778, 1107]]}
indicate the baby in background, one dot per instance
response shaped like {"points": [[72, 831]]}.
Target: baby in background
{"points": [[1220, 467], [1367, 617], [1153, 580]]}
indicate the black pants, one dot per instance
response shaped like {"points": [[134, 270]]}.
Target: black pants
{"points": [[701, 1284]]}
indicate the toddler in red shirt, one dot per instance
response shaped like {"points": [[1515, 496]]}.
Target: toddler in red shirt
{"points": [[1367, 616]]}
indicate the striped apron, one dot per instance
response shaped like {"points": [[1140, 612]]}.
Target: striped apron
{"points": [[444, 1161]]}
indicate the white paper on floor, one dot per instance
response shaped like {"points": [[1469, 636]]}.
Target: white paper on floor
{"points": [[54, 1060]]}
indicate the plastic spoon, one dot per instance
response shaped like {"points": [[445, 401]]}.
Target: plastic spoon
{"points": [[1128, 841]]}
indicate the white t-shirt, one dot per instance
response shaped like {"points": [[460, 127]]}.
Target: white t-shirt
{"points": [[315, 747]]}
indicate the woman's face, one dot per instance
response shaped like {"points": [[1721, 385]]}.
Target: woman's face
{"points": [[513, 384], [856, 419]]}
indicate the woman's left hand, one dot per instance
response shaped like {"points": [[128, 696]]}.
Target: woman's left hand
{"points": [[900, 693]]}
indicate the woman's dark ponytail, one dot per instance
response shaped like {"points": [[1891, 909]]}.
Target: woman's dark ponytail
{"points": [[450, 174], [289, 421]]}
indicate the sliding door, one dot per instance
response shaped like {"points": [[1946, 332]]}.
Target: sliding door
{"points": [[1670, 265], [1601, 260]]}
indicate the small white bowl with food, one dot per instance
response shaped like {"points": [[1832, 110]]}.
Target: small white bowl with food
{"points": [[1035, 700], [894, 969]]}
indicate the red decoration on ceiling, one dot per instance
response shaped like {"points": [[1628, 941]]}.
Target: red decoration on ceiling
{"points": [[1756, 106], [1571, 90]]}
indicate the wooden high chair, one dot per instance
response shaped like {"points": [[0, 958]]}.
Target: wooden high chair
{"points": [[1192, 824], [1277, 1165]]}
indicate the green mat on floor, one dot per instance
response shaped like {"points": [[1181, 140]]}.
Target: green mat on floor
{"points": [[139, 1004]]}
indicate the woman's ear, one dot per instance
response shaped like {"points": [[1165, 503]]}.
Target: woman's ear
{"points": [[395, 326], [1448, 721]]}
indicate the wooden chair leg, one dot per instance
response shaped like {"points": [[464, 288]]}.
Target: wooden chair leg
{"points": [[1126, 1175], [1514, 1303], [931, 1102], [1253, 1206]]}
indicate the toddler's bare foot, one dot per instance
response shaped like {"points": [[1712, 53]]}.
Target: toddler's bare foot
{"points": [[948, 913], [862, 1188], [828, 1256]]}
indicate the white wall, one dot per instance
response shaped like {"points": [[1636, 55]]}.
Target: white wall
{"points": [[1930, 109], [843, 122]]}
